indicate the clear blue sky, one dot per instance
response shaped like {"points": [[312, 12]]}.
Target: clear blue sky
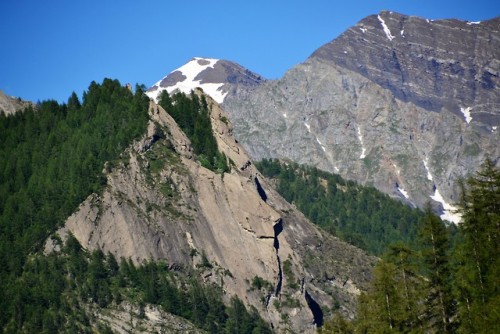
{"points": [[51, 48]]}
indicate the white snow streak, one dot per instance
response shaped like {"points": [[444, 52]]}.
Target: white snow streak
{"points": [[448, 210], [386, 28], [402, 33], [322, 146], [466, 112], [402, 191], [494, 128], [474, 22], [396, 168], [429, 175], [363, 150], [284, 115], [363, 30], [190, 71], [309, 130]]}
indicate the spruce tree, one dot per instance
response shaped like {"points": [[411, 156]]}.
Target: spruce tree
{"points": [[477, 281], [439, 301]]}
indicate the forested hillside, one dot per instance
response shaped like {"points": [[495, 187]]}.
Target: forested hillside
{"points": [[444, 287], [51, 159], [360, 215]]}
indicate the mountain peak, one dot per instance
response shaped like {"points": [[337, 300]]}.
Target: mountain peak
{"points": [[214, 76]]}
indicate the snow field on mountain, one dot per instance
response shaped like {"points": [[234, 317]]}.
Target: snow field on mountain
{"points": [[191, 70]]}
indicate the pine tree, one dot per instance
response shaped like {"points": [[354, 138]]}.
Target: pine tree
{"points": [[477, 280], [410, 285], [440, 304]]}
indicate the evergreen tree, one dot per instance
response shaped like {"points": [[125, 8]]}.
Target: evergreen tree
{"points": [[440, 304], [477, 281]]}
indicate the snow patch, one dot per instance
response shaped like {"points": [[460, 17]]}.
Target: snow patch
{"points": [[363, 150], [284, 115], [466, 112], [429, 175], [322, 146], [494, 128], [402, 191], [396, 168], [386, 28], [363, 30], [308, 127], [402, 33], [190, 70], [336, 169], [449, 211], [474, 22]]}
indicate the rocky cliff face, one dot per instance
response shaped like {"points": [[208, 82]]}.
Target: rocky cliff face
{"points": [[161, 204], [9, 104], [402, 103]]}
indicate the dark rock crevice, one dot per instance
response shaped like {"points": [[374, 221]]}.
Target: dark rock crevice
{"points": [[315, 309], [278, 228], [260, 190]]}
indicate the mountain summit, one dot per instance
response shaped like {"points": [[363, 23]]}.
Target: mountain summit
{"points": [[215, 77], [402, 103]]}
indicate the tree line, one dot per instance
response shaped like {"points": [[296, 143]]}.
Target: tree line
{"points": [[360, 215]]}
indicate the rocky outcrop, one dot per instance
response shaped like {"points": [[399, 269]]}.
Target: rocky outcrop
{"points": [[405, 104], [127, 318], [10, 105], [160, 203]]}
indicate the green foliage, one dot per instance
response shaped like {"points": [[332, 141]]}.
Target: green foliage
{"points": [[52, 293], [259, 283], [477, 279], [440, 304], [359, 215], [50, 160], [443, 288], [193, 117], [292, 282]]}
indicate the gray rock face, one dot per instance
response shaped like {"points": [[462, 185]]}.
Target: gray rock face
{"points": [[159, 203], [441, 64], [402, 103], [10, 105]]}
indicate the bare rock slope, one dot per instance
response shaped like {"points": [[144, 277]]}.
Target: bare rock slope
{"points": [[10, 105], [161, 204], [402, 103]]}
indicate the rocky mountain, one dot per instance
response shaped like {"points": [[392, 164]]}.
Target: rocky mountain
{"points": [[405, 104], [9, 104], [216, 78], [402, 103], [161, 204]]}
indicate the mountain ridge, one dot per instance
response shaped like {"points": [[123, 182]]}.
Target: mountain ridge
{"points": [[160, 203]]}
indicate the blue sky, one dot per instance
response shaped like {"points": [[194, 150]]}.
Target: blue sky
{"points": [[51, 48]]}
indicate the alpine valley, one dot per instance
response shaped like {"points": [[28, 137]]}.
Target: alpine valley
{"points": [[173, 209]]}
